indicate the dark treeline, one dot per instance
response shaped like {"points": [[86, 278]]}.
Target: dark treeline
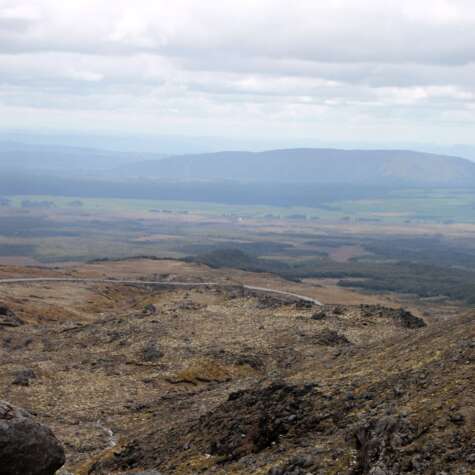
{"points": [[288, 194], [405, 277]]}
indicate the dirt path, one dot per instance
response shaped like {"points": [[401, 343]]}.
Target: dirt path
{"points": [[158, 284]]}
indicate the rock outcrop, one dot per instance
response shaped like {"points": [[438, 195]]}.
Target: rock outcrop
{"points": [[26, 446], [253, 419], [400, 316]]}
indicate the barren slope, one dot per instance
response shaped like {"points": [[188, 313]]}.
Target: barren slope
{"points": [[230, 381]]}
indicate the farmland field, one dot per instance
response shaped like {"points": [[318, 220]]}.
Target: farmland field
{"points": [[400, 206]]}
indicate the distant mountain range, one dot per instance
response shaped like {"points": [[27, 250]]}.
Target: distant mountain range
{"points": [[165, 145], [325, 166], [17, 156]]}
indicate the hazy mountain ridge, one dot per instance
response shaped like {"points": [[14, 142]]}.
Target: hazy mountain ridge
{"points": [[15, 156], [298, 165], [313, 166]]}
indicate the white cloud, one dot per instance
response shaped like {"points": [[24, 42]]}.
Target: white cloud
{"points": [[295, 67]]}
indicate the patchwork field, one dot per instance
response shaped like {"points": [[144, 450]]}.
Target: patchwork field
{"points": [[395, 206]]}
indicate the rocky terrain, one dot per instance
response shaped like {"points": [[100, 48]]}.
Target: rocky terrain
{"points": [[135, 379]]}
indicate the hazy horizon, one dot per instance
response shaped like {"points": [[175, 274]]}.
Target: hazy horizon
{"points": [[182, 144]]}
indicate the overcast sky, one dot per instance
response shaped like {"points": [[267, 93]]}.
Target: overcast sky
{"points": [[349, 70]]}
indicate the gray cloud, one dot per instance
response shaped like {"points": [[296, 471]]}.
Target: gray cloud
{"points": [[273, 66]]}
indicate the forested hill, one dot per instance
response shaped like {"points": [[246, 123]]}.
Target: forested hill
{"points": [[392, 167]]}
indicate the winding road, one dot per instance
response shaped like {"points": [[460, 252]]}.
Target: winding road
{"points": [[29, 280]]}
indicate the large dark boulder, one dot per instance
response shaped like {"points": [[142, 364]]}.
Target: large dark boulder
{"points": [[26, 446]]}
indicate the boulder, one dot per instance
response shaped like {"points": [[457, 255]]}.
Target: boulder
{"points": [[320, 315], [26, 446], [329, 337], [8, 317], [23, 377], [151, 352], [150, 309]]}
